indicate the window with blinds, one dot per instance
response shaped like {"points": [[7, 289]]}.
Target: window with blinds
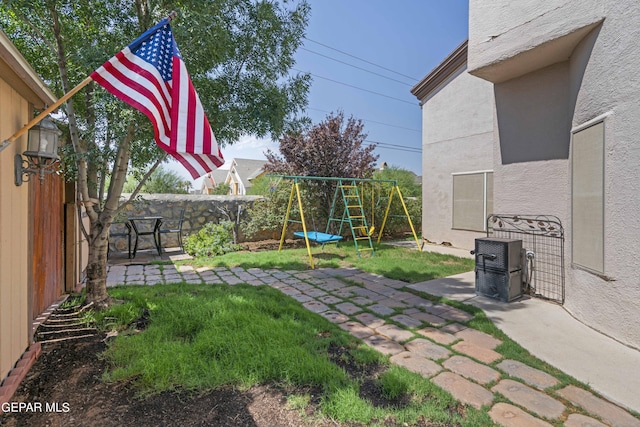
{"points": [[587, 197], [472, 200]]}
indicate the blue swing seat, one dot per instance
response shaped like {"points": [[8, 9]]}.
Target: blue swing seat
{"points": [[318, 237]]}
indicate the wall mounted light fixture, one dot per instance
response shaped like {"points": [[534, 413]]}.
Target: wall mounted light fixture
{"points": [[42, 152]]}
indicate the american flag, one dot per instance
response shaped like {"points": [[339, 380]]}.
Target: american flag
{"points": [[150, 75]]}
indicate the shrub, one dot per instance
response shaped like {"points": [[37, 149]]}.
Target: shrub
{"points": [[268, 214], [213, 239]]}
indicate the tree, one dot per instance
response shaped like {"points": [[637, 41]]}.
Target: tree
{"points": [[238, 54], [405, 178], [332, 148], [412, 193], [221, 189], [161, 181], [260, 186]]}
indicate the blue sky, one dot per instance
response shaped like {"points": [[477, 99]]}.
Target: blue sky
{"points": [[400, 42]]}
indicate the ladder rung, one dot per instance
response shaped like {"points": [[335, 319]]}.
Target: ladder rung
{"points": [[365, 249], [362, 238], [348, 186]]}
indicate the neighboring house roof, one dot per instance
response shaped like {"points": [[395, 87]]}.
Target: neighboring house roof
{"points": [[215, 177], [15, 69], [442, 72], [246, 170]]}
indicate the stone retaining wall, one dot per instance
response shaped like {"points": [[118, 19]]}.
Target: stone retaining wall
{"points": [[199, 210]]}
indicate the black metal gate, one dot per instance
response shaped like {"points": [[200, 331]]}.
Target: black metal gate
{"points": [[543, 242]]}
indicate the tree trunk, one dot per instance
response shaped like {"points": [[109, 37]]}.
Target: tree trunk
{"points": [[96, 284], [100, 224]]}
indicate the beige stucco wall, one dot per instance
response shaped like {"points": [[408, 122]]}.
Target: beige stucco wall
{"points": [[508, 39], [582, 57], [531, 174], [14, 262], [457, 136]]}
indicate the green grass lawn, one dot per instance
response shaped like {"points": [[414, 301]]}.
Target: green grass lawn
{"points": [[390, 261], [206, 336], [201, 337]]}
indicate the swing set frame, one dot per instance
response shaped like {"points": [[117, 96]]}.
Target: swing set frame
{"points": [[324, 238]]}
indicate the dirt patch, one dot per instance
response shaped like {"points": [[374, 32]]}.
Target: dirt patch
{"points": [[66, 382], [65, 388], [271, 245]]}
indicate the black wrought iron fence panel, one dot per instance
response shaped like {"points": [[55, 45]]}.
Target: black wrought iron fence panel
{"points": [[543, 241]]}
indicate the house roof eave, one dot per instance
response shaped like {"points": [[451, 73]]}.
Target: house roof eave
{"points": [[446, 68], [23, 76]]}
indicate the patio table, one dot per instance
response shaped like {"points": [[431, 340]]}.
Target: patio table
{"points": [[150, 227]]}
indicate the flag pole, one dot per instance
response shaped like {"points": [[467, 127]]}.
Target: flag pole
{"points": [[57, 104], [45, 113]]}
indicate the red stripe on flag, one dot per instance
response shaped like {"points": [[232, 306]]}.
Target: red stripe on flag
{"points": [[135, 104], [191, 120], [160, 99], [207, 135]]}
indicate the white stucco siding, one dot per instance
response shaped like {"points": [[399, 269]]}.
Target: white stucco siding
{"points": [[599, 79], [457, 137], [510, 39], [462, 108], [610, 85], [538, 188]]}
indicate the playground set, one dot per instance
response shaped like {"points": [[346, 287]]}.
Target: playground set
{"points": [[349, 212]]}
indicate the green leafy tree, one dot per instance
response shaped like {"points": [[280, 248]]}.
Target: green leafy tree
{"points": [[238, 54], [260, 186], [268, 213], [161, 181], [407, 180], [221, 189], [411, 191]]}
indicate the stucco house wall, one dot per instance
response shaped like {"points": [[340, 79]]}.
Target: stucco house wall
{"points": [[457, 137], [20, 91], [558, 66]]}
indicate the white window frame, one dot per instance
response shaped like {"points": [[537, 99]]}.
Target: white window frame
{"points": [[484, 198]]}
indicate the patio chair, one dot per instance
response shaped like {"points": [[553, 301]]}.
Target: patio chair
{"points": [[172, 226], [116, 230]]}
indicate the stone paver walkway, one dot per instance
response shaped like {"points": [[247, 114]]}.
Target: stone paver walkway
{"points": [[425, 337]]}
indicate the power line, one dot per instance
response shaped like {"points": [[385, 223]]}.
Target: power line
{"points": [[396, 149], [394, 146], [369, 120], [356, 87], [355, 66], [363, 60]]}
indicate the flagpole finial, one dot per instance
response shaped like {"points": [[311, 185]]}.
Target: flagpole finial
{"points": [[172, 15]]}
